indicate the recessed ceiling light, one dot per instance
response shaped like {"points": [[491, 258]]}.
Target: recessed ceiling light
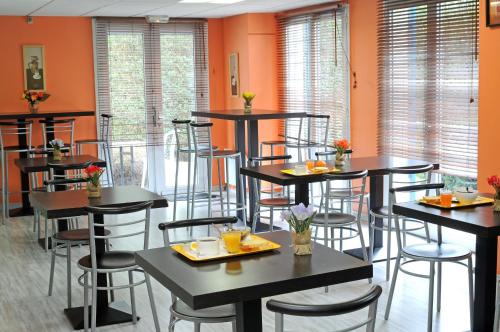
{"points": [[211, 1]]}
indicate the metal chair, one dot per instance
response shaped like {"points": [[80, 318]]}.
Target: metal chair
{"points": [[339, 220], [385, 212], [312, 137], [12, 131], [202, 140], [180, 310], [115, 261], [59, 129], [427, 252], [102, 142], [369, 299], [292, 133], [281, 202]]}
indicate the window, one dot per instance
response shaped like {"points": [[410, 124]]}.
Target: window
{"points": [[428, 83], [314, 66], [146, 76]]}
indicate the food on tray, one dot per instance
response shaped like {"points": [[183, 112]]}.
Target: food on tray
{"points": [[431, 199], [320, 163]]}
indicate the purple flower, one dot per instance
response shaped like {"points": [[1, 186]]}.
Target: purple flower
{"points": [[302, 212]]}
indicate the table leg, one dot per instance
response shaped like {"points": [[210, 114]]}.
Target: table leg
{"points": [[239, 139], [249, 316], [376, 201], [485, 283], [106, 315], [253, 151], [25, 209], [302, 193]]}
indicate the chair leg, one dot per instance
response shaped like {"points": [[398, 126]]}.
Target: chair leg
{"points": [[254, 219], [388, 263], [209, 164], [85, 301], [242, 191], [193, 191], [278, 322], [431, 297], [393, 285], [372, 235], [110, 276], [188, 187], [132, 297], [439, 277], [226, 177], [271, 219], [427, 234], [233, 326], [176, 181], [52, 266], [220, 188], [152, 301], [68, 272], [471, 296], [372, 314], [46, 234], [93, 318], [197, 327], [362, 240]]}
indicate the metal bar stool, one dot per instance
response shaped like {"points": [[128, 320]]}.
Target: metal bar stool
{"points": [[8, 132], [385, 212], [115, 261], [312, 137], [103, 143], [434, 253], [281, 202], [180, 310], [369, 299], [59, 129], [202, 138]]}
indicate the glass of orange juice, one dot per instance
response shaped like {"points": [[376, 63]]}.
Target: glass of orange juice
{"points": [[232, 240], [446, 198], [310, 164]]}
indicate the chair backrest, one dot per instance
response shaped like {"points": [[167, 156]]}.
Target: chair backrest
{"points": [[352, 188], [68, 171], [369, 299], [12, 130], [330, 154], [409, 189], [201, 133], [258, 161], [182, 134], [59, 129], [105, 127], [120, 229], [293, 129], [317, 129]]}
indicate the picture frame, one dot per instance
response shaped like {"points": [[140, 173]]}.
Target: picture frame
{"points": [[234, 75], [492, 13], [34, 68]]}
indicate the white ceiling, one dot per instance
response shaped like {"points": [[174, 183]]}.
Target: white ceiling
{"points": [[171, 8]]}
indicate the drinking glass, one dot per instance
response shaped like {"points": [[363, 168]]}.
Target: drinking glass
{"points": [[446, 198], [232, 240]]}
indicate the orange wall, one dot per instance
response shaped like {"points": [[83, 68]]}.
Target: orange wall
{"points": [[69, 69], [363, 98]]}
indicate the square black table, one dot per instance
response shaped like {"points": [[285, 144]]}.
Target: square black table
{"points": [[203, 285], [484, 223], [377, 167], [65, 204], [252, 121], [22, 141]]}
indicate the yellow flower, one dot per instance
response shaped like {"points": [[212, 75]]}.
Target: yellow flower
{"points": [[248, 96]]}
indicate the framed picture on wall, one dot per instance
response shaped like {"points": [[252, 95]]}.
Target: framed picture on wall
{"points": [[234, 75], [34, 67], [492, 13]]}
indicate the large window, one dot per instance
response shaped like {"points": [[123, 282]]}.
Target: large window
{"points": [[148, 75], [314, 66], [428, 83]]}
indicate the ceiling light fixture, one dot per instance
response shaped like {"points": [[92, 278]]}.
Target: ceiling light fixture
{"points": [[157, 19], [211, 1]]}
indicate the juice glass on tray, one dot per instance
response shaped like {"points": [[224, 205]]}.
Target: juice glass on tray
{"points": [[446, 198], [232, 240], [310, 164]]}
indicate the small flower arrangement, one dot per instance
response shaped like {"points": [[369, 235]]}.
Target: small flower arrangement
{"points": [[93, 173], [34, 98], [248, 97], [341, 145], [300, 218], [494, 181], [57, 144]]}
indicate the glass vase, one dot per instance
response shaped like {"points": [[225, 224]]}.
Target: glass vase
{"points": [[33, 107], [339, 159], [301, 242], [93, 190], [247, 107], [496, 203], [57, 155]]}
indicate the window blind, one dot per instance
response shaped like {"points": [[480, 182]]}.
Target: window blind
{"points": [[428, 82], [149, 74], [313, 67]]}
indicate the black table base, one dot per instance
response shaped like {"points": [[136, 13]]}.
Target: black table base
{"points": [[249, 316], [108, 316], [20, 212]]}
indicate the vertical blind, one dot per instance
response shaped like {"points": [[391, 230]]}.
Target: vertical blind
{"points": [[428, 82], [149, 74], [313, 62]]}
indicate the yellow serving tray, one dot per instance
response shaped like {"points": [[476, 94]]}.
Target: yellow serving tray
{"points": [[263, 246], [308, 172], [457, 205]]}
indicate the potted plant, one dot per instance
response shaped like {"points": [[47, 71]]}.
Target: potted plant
{"points": [[494, 181], [93, 174], [299, 217], [341, 146], [57, 145], [248, 97], [34, 98]]}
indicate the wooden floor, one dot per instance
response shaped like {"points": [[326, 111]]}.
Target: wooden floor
{"points": [[25, 306]]}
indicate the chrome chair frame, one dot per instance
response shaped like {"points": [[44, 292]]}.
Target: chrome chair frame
{"points": [[56, 128], [94, 269], [176, 315], [409, 253], [369, 299]]}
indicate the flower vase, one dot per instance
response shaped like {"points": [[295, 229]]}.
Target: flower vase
{"points": [[496, 203], [339, 159], [93, 190], [33, 107], [57, 155], [302, 244], [248, 108]]}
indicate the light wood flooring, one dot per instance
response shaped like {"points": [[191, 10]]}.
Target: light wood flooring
{"points": [[25, 306]]}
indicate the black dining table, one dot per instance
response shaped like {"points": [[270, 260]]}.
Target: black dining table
{"points": [[482, 222], [245, 280], [251, 120], [377, 167], [22, 141], [66, 204]]}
